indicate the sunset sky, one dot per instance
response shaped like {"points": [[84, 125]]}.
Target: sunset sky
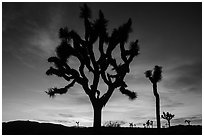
{"points": [[169, 34]]}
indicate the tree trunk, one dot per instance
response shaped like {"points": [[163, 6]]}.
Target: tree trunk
{"points": [[169, 123], [157, 105], [97, 117]]}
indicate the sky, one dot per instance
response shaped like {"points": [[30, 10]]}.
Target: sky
{"points": [[169, 34]]}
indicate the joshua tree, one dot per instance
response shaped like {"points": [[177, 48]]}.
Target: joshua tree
{"points": [[168, 116], [151, 123], [188, 121], [154, 77], [104, 67], [148, 123], [131, 124], [144, 125], [77, 122]]}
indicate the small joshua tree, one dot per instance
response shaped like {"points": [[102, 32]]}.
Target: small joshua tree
{"points": [[148, 123], [154, 77], [151, 123], [144, 125], [77, 122], [188, 122], [168, 116], [131, 124], [104, 68]]}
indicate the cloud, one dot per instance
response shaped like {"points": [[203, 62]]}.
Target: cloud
{"points": [[185, 78], [174, 104], [137, 79], [42, 40], [63, 121], [65, 115], [33, 36]]}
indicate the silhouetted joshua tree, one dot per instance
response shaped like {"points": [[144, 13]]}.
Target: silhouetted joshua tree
{"points": [[168, 116], [154, 77], [151, 123], [131, 124], [148, 123], [188, 122], [77, 122], [104, 68], [144, 125]]}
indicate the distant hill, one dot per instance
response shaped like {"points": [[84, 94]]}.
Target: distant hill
{"points": [[36, 128]]}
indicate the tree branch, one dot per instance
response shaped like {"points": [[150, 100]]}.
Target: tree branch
{"points": [[81, 50], [104, 99], [53, 91], [123, 52], [92, 57], [132, 95], [103, 76], [58, 73]]}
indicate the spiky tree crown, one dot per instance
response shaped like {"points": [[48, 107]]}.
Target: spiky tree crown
{"points": [[187, 121], [154, 75], [85, 12], [82, 48], [168, 116]]}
